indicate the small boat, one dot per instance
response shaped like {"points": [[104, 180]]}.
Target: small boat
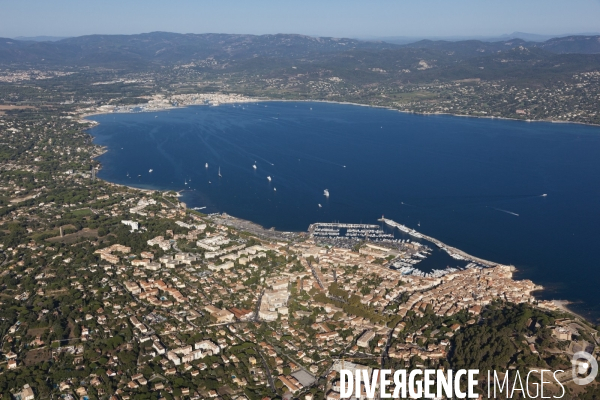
{"points": [[185, 183], [206, 165], [209, 182], [274, 189], [150, 170], [320, 206], [220, 172], [326, 193], [254, 166], [545, 195], [269, 178]]}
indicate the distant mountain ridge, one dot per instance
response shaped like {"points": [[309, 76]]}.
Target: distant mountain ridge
{"points": [[163, 48], [573, 44], [564, 45], [529, 37]]}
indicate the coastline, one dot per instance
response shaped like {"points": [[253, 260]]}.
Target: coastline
{"points": [[238, 99], [563, 305], [274, 234], [560, 304], [148, 191]]}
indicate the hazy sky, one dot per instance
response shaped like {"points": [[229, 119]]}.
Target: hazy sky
{"points": [[340, 18]]}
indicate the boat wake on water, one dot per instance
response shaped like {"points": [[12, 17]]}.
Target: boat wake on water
{"points": [[505, 211], [440, 202]]}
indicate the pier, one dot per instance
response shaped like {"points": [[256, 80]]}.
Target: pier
{"points": [[452, 251]]}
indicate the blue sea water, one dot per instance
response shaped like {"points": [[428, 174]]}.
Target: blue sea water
{"points": [[475, 184]]}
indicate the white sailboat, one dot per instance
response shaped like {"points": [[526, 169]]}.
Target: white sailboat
{"points": [[206, 165], [326, 193], [269, 178], [150, 170], [254, 166]]}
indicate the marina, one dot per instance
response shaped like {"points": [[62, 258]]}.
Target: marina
{"points": [[409, 257], [349, 231]]}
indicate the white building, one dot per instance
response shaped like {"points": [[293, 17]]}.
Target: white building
{"points": [[210, 347], [134, 225]]}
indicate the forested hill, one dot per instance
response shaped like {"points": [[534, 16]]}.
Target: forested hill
{"points": [[172, 48], [163, 48]]}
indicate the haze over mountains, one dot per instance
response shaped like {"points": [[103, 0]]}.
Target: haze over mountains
{"points": [[530, 37], [41, 38], [163, 48]]}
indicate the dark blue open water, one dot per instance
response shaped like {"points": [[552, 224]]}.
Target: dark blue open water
{"points": [[464, 179]]}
